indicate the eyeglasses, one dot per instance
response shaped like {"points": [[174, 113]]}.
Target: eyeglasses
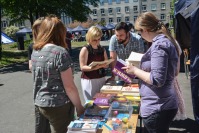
{"points": [[95, 40]]}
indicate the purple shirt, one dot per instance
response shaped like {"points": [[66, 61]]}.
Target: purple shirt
{"points": [[161, 61]]}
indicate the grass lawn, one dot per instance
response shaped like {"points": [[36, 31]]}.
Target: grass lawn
{"points": [[11, 54]]}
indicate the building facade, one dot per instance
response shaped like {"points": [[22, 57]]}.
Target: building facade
{"points": [[114, 11]]}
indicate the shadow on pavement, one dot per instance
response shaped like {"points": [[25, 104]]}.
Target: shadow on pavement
{"points": [[24, 66], [184, 126], [15, 68]]}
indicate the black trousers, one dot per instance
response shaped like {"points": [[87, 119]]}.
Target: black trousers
{"points": [[159, 122]]}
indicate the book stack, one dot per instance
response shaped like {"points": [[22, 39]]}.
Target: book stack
{"points": [[83, 126], [111, 89], [104, 95], [131, 90], [96, 111]]}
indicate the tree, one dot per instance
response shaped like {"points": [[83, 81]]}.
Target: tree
{"points": [[20, 10], [11, 31]]}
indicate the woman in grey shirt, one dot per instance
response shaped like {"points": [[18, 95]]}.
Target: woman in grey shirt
{"points": [[55, 93], [157, 73]]}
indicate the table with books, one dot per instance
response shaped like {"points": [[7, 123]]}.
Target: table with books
{"points": [[114, 110]]}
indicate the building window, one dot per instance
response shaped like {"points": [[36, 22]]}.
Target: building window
{"points": [[144, 0], [153, 7], [134, 18], [171, 5], [110, 20], [103, 20], [162, 16], [118, 19], [94, 20], [171, 17], [126, 1], [135, 8], [101, 2], [118, 10], [163, 6], [135, 0], [126, 19], [110, 11], [94, 12], [144, 8], [118, 1], [102, 11], [127, 9], [4, 24], [110, 2]]}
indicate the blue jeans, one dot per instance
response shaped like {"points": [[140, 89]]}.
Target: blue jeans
{"points": [[159, 122]]}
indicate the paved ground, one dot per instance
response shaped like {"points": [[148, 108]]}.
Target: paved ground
{"points": [[16, 99]]}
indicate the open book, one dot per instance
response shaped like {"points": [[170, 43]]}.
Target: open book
{"points": [[94, 63], [135, 58]]}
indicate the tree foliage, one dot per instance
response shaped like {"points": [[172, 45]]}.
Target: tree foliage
{"points": [[19, 10], [11, 31]]}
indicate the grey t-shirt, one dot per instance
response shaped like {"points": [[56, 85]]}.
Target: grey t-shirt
{"points": [[47, 65]]}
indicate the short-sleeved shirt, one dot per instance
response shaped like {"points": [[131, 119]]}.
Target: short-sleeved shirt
{"points": [[135, 44], [47, 65], [161, 61]]}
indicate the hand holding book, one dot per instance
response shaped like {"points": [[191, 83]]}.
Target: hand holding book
{"points": [[107, 62], [129, 68]]}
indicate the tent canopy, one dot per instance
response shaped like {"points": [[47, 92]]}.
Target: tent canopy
{"points": [[69, 29], [79, 28], [5, 38], [110, 26], [101, 27], [23, 32]]}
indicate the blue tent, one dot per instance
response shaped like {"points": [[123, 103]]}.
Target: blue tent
{"points": [[69, 29], [187, 16], [5, 38], [110, 26], [23, 32], [79, 29], [101, 27]]}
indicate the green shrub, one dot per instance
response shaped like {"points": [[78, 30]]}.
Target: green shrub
{"points": [[11, 31]]}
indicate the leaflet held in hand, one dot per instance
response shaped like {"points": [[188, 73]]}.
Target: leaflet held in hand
{"points": [[135, 58]]}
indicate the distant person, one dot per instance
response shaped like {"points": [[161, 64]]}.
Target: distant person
{"points": [[41, 123], [123, 43], [131, 27], [55, 93], [92, 78], [181, 114], [157, 73], [68, 41]]}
